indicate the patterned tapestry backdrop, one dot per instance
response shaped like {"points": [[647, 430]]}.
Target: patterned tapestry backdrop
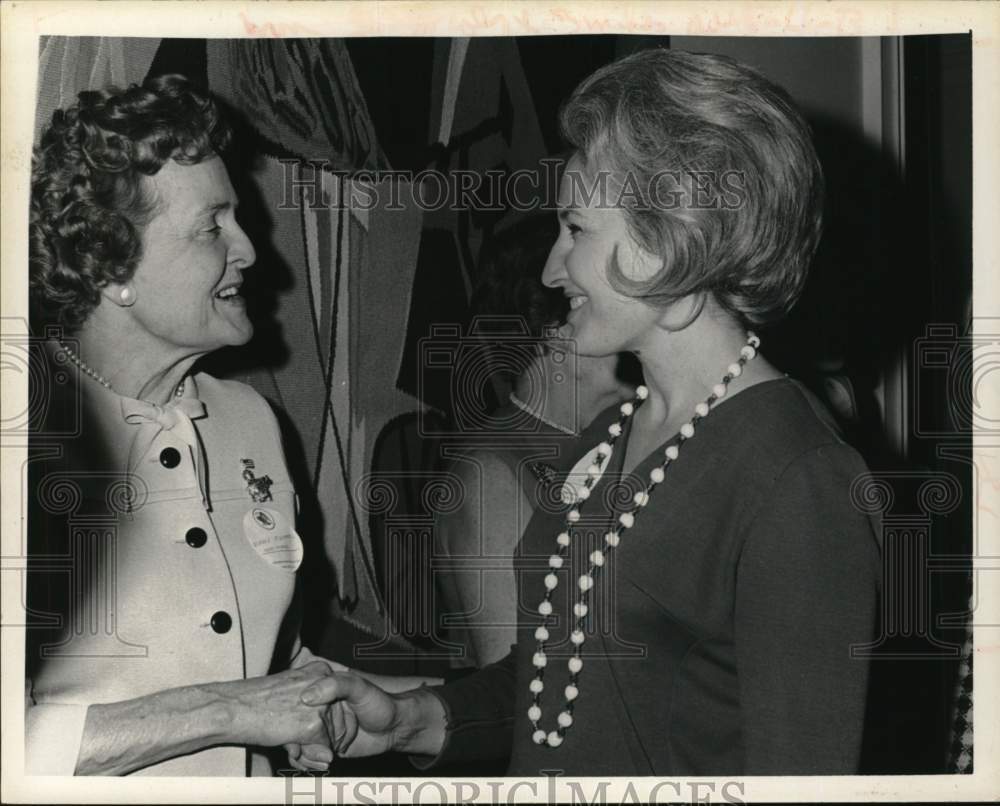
{"points": [[342, 297]]}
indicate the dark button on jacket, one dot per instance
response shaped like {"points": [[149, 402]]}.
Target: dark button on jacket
{"points": [[170, 457], [221, 622]]}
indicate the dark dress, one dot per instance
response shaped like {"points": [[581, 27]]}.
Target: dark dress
{"points": [[720, 630]]}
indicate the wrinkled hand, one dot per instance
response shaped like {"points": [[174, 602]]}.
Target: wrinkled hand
{"points": [[318, 757], [309, 758], [269, 711], [363, 719]]}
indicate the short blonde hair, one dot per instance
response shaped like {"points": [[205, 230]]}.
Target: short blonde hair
{"points": [[708, 125]]}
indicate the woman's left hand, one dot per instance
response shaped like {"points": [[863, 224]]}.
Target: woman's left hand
{"points": [[318, 757], [309, 758]]}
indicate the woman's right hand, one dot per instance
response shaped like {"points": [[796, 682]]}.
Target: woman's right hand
{"points": [[269, 711], [373, 721], [122, 737]]}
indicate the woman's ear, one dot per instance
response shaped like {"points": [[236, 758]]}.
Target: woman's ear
{"points": [[636, 263], [681, 313], [120, 294]]}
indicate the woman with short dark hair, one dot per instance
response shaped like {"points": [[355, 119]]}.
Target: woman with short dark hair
{"points": [[692, 609], [166, 489]]}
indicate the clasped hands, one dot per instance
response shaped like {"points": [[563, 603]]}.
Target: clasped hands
{"points": [[319, 711]]}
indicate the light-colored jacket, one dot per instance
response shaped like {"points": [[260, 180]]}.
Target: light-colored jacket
{"points": [[168, 589]]}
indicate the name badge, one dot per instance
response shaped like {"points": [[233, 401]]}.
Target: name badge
{"points": [[273, 538]]}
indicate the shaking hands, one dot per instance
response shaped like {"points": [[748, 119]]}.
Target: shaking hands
{"points": [[363, 719]]}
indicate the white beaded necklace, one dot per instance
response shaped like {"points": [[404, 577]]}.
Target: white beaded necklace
{"points": [[86, 369], [598, 558]]}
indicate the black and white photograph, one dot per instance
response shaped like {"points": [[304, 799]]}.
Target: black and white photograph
{"points": [[499, 403]]}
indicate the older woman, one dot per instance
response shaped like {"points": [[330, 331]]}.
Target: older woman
{"points": [[166, 489], [696, 605]]}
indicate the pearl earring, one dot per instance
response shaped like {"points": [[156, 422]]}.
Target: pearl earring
{"points": [[127, 296]]}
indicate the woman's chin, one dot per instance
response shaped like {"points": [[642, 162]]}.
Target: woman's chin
{"points": [[237, 334], [570, 335], [243, 337], [578, 343]]}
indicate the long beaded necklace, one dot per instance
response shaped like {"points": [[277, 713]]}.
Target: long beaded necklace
{"points": [[598, 558], [88, 370]]}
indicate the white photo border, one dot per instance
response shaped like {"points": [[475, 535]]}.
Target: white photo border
{"points": [[24, 22]]}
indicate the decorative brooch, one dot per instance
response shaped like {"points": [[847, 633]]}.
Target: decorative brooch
{"points": [[259, 489]]}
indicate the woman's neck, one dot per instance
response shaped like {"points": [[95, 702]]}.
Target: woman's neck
{"points": [[681, 367], [134, 367]]}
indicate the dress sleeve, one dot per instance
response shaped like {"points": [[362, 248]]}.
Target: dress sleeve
{"points": [[303, 656], [479, 714], [53, 733], [806, 591]]}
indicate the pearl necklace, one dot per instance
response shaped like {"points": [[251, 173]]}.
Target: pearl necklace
{"points": [[86, 369], [598, 558], [524, 407]]}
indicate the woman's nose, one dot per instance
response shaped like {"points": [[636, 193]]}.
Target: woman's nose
{"points": [[241, 251], [555, 267]]}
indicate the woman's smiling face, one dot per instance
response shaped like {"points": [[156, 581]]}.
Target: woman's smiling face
{"points": [[602, 320], [194, 253]]}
